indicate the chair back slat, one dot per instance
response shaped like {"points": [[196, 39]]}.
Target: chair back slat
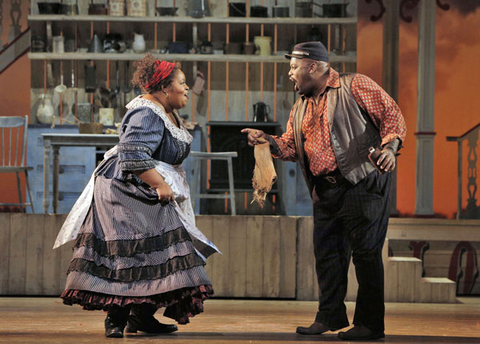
{"points": [[2, 147], [9, 162], [16, 145], [11, 140]]}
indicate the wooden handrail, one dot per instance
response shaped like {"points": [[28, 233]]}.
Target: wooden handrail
{"points": [[472, 210], [463, 136]]}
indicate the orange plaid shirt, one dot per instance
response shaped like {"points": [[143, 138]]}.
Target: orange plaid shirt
{"points": [[369, 96]]}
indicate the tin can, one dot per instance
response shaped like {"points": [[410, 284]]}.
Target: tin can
{"points": [[117, 8], [137, 8]]}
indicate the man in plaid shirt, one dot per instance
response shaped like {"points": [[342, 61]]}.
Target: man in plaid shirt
{"points": [[330, 132]]}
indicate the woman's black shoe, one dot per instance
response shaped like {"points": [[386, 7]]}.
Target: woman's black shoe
{"points": [[148, 324], [115, 322], [112, 329], [141, 319]]}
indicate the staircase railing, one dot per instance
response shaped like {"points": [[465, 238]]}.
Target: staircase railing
{"points": [[14, 50], [18, 42], [472, 211]]}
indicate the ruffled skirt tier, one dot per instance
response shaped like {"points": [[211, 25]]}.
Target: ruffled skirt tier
{"points": [[132, 250]]}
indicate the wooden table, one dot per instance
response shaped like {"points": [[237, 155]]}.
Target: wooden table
{"points": [[54, 142]]}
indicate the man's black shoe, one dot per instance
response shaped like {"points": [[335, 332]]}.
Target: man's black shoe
{"points": [[315, 328], [360, 333]]}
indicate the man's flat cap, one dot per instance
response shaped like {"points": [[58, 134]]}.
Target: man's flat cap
{"points": [[309, 50]]}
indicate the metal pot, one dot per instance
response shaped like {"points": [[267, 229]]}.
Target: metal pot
{"points": [[232, 48], [167, 11], [99, 9], [334, 10], [280, 12], [259, 11], [198, 8], [48, 7], [178, 47], [237, 9], [69, 9], [303, 9]]}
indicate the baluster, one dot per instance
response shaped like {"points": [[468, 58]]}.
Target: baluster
{"points": [[1, 23], [472, 209], [15, 15]]}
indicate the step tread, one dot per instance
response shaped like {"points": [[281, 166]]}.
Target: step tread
{"points": [[437, 280], [404, 259]]}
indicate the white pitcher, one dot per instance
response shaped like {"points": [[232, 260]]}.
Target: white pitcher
{"points": [[138, 45], [45, 111]]}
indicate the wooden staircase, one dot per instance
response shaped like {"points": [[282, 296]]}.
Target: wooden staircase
{"points": [[404, 282]]}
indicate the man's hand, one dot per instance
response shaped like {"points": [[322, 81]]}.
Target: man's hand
{"points": [[387, 160], [254, 136]]}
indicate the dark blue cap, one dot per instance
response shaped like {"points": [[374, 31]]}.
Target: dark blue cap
{"points": [[309, 50]]}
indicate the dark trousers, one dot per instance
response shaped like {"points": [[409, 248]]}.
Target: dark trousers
{"points": [[351, 221]]}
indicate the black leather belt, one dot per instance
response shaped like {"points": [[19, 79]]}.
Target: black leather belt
{"points": [[333, 177]]}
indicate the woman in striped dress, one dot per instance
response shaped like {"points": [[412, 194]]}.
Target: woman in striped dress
{"points": [[136, 245]]}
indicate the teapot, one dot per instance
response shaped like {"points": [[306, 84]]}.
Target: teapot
{"points": [[261, 112]]}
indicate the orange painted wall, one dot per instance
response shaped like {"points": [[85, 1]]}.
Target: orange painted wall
{"points": [[457, 85], [15, 100], [14, 95]]}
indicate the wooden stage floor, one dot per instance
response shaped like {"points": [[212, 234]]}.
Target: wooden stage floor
{"points": [[47, 320]]}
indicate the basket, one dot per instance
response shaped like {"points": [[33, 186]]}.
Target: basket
{"points": [[90, 128]]}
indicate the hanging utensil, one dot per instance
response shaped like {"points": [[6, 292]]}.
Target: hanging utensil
{"points": [[117, 79], [90, 78], [61, 87], [115, 91], [127, 88]]}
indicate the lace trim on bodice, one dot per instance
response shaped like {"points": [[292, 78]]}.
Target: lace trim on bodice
{"points": [[179, 133]]}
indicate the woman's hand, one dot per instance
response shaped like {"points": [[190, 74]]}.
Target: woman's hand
{"points": [[165, 194], [156, 181]]}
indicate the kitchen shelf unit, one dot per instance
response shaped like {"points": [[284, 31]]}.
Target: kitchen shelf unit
{"points": [[232, 82]]}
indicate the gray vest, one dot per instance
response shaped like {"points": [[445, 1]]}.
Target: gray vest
{"points": [[352, 132]]}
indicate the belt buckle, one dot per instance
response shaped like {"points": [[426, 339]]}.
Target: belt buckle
{"points": [[331, 179]]}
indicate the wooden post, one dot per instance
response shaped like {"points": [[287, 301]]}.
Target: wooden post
{"points": [[425, 107], [390, 71]]}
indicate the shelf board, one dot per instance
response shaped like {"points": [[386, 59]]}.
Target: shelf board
{"points": [[213, 20], [178, 57]]}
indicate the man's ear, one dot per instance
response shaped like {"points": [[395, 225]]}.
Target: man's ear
{"points": [[312, 67]]}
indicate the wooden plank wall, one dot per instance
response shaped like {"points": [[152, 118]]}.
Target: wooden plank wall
{"points": [[28, 264], [263, 256], [258, 260], [258, 255]]}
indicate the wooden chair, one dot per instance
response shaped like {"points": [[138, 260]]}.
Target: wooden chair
{"points": [[12, 151]]}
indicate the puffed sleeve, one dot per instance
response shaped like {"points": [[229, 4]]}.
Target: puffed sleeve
{"points": [[141, 134]]}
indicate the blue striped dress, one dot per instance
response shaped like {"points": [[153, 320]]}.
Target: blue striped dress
{"points": [[131, 249]]}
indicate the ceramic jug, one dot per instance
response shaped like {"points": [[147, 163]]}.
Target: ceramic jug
{"points": [[45, 111], [138, 45]]}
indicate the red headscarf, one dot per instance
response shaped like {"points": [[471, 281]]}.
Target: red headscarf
{"points": [[162, 70]]}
